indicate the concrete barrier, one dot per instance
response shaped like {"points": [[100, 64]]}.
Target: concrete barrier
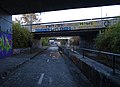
{"points": [[98, 74], [21, 50]]}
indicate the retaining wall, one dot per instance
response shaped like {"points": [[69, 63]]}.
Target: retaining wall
{"points": [[98, 74]]}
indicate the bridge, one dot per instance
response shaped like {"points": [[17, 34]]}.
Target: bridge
{"points": [[48, 68], [73, 27], [29, 6], [10, 7], [86, 29]]}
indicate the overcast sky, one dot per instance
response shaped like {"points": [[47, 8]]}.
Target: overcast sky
{"points": [[77, 14]]}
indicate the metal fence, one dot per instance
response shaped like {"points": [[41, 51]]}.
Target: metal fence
{"points": [[113, 55]]}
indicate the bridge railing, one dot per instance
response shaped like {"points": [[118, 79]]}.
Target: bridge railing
{"points": [[113, 55]]}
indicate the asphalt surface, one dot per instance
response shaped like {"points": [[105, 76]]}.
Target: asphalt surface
{"points": [[49, 69]]}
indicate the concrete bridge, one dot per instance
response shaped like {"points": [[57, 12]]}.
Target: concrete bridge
{"points": [[72, 28], [86, 29]]}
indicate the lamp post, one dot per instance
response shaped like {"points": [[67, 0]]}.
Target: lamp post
{"points": [[31, 32], [101, 13], [101, 21], [31, 22]]}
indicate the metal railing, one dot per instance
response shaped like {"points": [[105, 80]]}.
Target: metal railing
{"points": [[113, 55]]}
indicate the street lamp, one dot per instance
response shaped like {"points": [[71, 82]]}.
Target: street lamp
{"points": [[31, 31], [31, 22]]}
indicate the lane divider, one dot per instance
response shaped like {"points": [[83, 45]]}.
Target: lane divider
{"points": [[48, 60], [41, 79]]}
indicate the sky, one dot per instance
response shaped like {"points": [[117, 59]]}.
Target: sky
{"points": [[78, 14]]}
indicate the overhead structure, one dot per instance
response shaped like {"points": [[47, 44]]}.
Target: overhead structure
{"points": [[31, 6]]}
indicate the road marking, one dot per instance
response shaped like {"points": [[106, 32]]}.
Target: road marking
{"points": [[48, 60], [41, 79]]}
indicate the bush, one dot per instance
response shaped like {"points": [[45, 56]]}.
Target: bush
{"points": [[21, 36], [109, 40], [44, 41]]}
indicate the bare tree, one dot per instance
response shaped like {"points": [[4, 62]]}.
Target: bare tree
{"points": [[29, 18]]}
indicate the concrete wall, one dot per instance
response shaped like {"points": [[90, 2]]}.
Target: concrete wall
{"points": [[5, 34], [36, 43], [97, 73], [88, 40]]}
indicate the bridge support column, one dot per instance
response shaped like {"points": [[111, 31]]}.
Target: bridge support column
{"points": [[88, 40], [86, 43], [36, 43], [5, 34]]}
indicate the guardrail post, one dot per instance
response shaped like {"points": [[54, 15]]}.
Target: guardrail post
{"points": [[113, 65]]}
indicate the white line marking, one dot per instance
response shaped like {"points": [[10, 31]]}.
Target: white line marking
{"points": [[41, 78], [48, 60]]}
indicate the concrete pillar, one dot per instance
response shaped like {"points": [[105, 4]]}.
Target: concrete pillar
{"points": [[5, 34], [68, 43], [82, 43], [36, 43], [88, 40]]}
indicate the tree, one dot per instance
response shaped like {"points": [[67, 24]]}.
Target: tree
{"points": [[21, 36], [44, 41], [75, 40], [29, 18], [109, 40]]}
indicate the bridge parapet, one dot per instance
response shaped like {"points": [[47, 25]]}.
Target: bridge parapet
{"points": [[95, 23]]}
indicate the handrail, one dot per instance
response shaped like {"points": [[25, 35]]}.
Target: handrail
{"points": [[102, 52]]}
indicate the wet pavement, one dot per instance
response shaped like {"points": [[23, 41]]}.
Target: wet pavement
{"points": [[45, 70]]}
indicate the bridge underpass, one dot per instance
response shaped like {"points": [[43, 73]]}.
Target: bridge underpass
{"points": [[10, 7], [68, 33], [86, 37], [48, 69], [86, 29]]}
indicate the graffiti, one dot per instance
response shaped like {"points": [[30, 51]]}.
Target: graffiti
{"points": [[5, 44], [90, 24], [67, 26], [52, 29]]}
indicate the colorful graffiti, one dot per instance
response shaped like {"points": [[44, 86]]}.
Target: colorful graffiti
{"points": [[5, 45], [89, 24]]}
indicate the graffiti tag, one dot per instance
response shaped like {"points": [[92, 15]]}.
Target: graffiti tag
{"points": [[5, 44]]}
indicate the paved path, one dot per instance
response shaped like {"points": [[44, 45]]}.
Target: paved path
{"points": [[46, 70], [9, 64]]}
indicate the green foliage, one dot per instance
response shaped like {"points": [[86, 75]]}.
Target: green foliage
{"points": [[75, 40], [109, 40], [44, 41], [21, 36]]}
